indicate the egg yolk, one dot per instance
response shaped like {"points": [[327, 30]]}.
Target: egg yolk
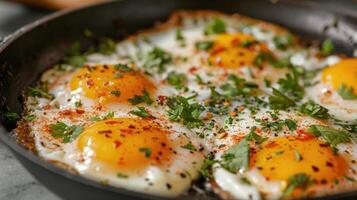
{"points": [[107, 84], [125, 143], [234, 50], [342, 73], [283, 157]]}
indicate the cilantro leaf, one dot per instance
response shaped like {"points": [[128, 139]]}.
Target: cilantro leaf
{"points": [[179, 37], [180, 110], [141, 112], [157, 58], [206, 169], [123, 67], [314, 110], [144, 98], [105, 46], [346, 92], [215, 26], [290, 86], [326, 47], [11, 117], [236, 157], [300, 180], [66, 132], [176, 79], [278, 100], [330, 135], [30, 118]]}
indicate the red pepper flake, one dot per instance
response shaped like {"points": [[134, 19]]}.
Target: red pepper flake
{"points": [[161, 100], [117, 143], [80, 111], [192, 69], [111, 122], [104, 131], [303, 135], [90, 83]]}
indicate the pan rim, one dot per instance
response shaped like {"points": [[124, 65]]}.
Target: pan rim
{"points": [[8, 140]]}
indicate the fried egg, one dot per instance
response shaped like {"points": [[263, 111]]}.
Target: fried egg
{"points": [[238, 104]]}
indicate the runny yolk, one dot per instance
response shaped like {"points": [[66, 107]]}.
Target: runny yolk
{"points": [[234, 50], [125, 143], [283, 157], [106, 84], [342, 73]]}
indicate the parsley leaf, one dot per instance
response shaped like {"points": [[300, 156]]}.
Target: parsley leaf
{"points": [[180, 110], [37, 92], [290, 86], [105, 46], [331, 135], [326, 47], [109, 115], [215, 26], [204, 45], [123, 67], [66, 132], [300, 180], [141, 112], [121, 175], [179, 37], [30, 118], [236, 157], [238, 86], [346, 92], [144, 98], [314, 110], [157, 58], [291, 124], [176, 79], [262, 57], [278, 100], [253, 135], [189, 146], [283, 41], [146, 151], [206, 169], [11, 117]]}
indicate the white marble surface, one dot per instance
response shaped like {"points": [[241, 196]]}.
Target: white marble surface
{"points": [[16, 183]]}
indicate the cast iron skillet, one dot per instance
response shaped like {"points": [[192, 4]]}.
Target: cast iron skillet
{"points": [[29, 51]]}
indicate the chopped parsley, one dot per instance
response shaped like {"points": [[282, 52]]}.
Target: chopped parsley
{"points": [[236, 157], [238, 86], [179, 37], [141, 112], [283, 41], [291, 124], [278, 100], [11, 117], [253, 135], [123, 67], [189, 146], [262, 57], [121, 175], [206, 169], [180, 110], [330, 135], [314, 110], [30, 118], [326, 47], [278, 125], [298, 155], [66, 132], [157, 58], [115, 93], [109, 115], [346, 92], [290, 86], [177, 79], [204, 45], [146, 151], [144, 98], [37, 92], [215, 26], [300, 180], [74, 57], [105, 46], [78, 104]]}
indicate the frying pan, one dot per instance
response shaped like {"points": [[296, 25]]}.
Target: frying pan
{"points": [[32, 49]]}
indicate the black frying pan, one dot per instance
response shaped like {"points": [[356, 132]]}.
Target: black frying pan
{"points": [[29, 51]]}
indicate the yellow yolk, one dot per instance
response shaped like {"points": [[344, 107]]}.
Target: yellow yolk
{"points": [[229, 52], [280, 158], [344, 72], [106, 84], [125, 143]]}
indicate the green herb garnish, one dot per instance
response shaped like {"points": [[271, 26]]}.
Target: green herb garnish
{"points": [[278, 100], [282, 42], [37, 92], [109, 115], [330, 135], [300, 180], [141, 112], [176, 79], [66, 132], [346, 92], [326, 47], [144, 98], [157, 58], [146, 151], [236, 157], [123, 67], [215, 26], [314, 110], [204, 45], [189, 146]]}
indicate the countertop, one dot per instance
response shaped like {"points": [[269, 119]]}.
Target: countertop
{"points": [[15, 182]]}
